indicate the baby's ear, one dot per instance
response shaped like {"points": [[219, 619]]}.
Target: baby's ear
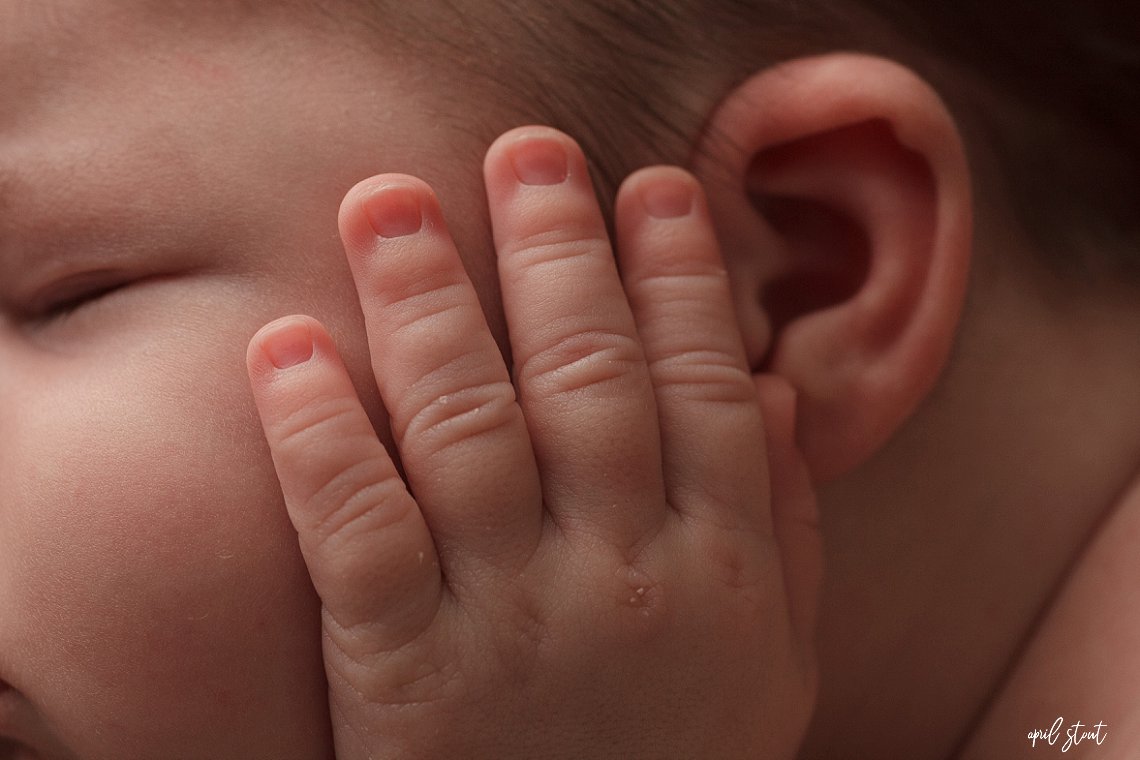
{"points": [[841, 195]]}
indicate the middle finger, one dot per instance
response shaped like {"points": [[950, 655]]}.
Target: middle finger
{"points": [[580, 370]]}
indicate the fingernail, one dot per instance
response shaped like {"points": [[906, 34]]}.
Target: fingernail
{"points": [[539, 161], [668, 199], [288, 344], [393, 211]]}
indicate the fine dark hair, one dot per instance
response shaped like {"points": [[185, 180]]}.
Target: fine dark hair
{"points": [[1050, 89]]}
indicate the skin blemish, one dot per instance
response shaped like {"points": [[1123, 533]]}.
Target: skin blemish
{"points": [[641, 591]]}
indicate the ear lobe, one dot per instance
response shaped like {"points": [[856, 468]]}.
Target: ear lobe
{"points": [[841, 194]]}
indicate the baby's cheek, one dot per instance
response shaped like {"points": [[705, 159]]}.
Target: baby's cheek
{"points": [[159, 587]]}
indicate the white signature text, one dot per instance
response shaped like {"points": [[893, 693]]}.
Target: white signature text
{"points": [[1075, 733]]}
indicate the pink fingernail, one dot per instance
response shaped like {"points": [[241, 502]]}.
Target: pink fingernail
{"points": [[393, 211], [668, 199], [539, 161], [288, 344]]}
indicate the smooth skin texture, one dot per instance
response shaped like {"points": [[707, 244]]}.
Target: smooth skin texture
{"points": [[565, 546], [155, 603], [150, 579]]}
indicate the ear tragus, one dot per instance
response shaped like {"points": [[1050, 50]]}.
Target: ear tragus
{"points": [[831, 258]]}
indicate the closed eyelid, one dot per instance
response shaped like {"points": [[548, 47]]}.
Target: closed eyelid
{"points": [[76, 286], [31, 278]]}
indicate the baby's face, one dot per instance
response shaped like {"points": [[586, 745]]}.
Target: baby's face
{"points": [[154, 603]]}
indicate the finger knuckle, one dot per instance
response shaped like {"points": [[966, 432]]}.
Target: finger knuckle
{"points": [[429, 310], [313, 422], [468, 414], [396, 677], [559, 247], [595, 360], [406, 288], [681, 278], [359, 498], [701, 374], [420, 682]]}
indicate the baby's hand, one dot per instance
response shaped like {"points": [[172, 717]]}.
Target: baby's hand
{"points": [[612, 555]]}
